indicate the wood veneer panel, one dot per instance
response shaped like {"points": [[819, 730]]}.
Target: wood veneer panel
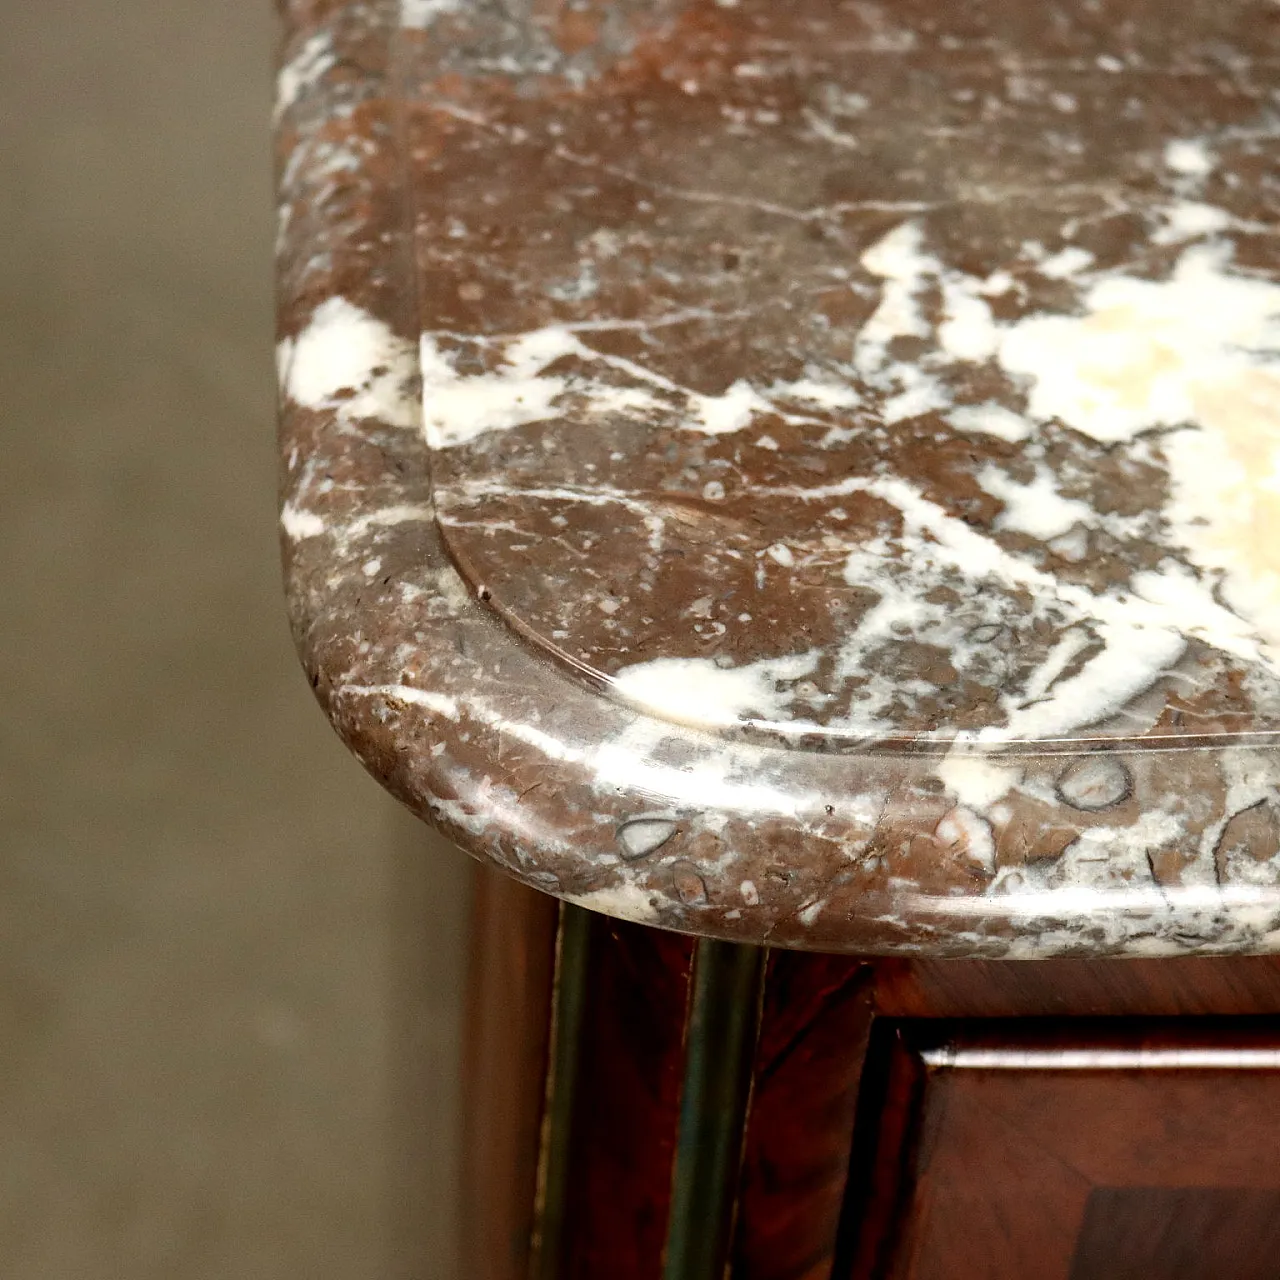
{"points": [[1004, 1150], [1178, 1233], [504, 1067], [814, 1026], [626, 1105]]}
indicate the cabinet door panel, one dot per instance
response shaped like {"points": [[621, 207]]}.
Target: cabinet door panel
{"points": [[1074, 1152], [1191, 1233]]}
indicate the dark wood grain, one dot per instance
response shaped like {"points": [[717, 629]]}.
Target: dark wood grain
{"points": [[504, 1065], [885, 1142], [1078, 988], [993, 1175], [858, 1157], [814, 1026], [1179, 1233], [626, 1105]]}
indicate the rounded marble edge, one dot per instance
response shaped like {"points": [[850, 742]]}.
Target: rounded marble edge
{"points": [[1144, 851]]}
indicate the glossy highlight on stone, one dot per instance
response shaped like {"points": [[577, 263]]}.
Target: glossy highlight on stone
{"points": [[802, 474]]}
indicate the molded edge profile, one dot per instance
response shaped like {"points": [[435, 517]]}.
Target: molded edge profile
{"points": [[524, 765]]}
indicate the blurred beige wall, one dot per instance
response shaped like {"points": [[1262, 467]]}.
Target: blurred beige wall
{"points": [[229, 967]]}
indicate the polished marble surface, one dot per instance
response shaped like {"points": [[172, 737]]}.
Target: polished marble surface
{"points": [[801, 473]]}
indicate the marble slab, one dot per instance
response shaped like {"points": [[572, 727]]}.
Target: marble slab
{"points": [[807, 473]]}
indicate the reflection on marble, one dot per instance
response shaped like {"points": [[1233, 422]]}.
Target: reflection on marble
{"points": [[803, 473]]}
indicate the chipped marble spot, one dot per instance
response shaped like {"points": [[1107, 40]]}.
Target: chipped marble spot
{"points": [[623, 900], [731, 411], [899, 261], [458, 408], [827, 393], [690, 887], [968, 331]]}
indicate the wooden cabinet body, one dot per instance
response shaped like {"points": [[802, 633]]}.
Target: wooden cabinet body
{"points": [[797, 1116]]}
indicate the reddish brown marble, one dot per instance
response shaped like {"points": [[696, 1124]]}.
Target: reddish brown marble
{"points": [[759, 579]]}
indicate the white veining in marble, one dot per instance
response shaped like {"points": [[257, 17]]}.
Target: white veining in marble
{"points": [[550, 373], [351, 362], [697, 692], [1155, 353], [1196, 353], [991, 419], [1035, 507], [457, 408], [1190, 157], [977, 781], [1188, 219], [303, 70], [420, 14]]}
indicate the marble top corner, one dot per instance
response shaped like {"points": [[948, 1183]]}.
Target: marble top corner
{"points": [[804, 474]]}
